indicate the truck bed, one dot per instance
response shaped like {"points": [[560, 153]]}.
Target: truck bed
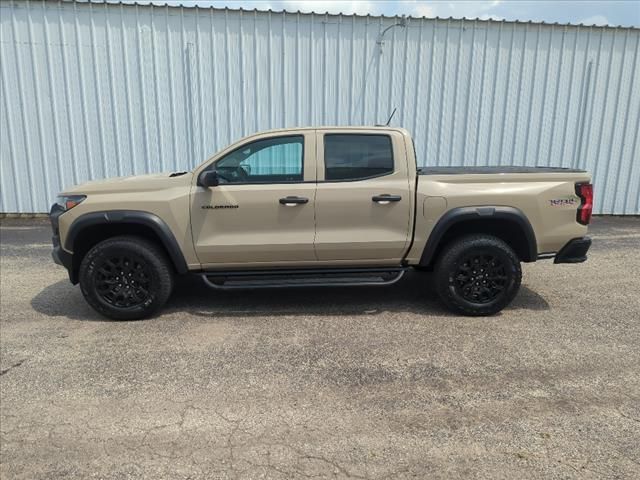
{"points": [[493, 170]]}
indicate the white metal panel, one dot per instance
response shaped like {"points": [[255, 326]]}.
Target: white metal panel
{"points": [[99, 90]]}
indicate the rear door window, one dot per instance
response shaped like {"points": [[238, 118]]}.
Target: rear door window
{"points": [[357, 157]]}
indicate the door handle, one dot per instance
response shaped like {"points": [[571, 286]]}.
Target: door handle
{"points": [[385, 198], [293, 201]]}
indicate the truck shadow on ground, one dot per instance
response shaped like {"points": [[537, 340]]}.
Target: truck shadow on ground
{"points": [[414, 294]]}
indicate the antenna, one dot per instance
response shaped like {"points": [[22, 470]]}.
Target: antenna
{"points": [[392, 114]]}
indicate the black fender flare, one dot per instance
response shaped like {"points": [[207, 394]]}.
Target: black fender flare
{"points": [[462, 214], [155, 223]]}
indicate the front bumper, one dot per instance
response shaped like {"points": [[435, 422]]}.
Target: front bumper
{"points": [[60, 256], [575, 251]]}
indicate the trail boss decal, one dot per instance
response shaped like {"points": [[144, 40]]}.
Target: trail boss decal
{"points": [[564, 202]]}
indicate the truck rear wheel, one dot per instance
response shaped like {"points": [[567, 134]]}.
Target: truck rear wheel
{"points": [[478, 275], [126, 278]]}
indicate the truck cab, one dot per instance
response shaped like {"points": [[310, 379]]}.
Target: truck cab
{"points": [[306, 197]]}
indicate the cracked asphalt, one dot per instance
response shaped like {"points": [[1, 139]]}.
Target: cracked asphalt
{"points": [[330, 383]]}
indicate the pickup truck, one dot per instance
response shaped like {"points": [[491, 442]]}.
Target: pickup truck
{"points": [[325, 206]]}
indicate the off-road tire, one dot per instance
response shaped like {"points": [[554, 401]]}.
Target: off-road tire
{"points": [[152, 274], [454, 263]]}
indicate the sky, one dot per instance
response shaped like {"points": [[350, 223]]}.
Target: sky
{"points": [[603, 12]]}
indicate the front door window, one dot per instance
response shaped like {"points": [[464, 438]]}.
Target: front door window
{"points": [[272, 160]]}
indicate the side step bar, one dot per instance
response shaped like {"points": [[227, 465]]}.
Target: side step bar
{"points": [[341, 277]]}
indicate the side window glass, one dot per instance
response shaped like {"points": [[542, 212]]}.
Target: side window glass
{"points": [[271, 160], [356, 157]]}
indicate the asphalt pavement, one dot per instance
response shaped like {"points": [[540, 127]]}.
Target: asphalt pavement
{"points": [[367, 382]]}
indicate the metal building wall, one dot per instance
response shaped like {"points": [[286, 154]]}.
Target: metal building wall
{"points": [[99, 90]]}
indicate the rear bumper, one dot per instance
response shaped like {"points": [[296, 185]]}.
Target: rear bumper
{"points": [[575, 251]]}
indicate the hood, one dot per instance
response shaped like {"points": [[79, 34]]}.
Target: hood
{"points": [[135, 183]]}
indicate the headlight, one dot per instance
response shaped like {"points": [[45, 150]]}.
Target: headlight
{"points": [[67, 202]]}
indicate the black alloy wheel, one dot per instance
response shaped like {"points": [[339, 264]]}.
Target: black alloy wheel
{"points": [[477, 275], [123, 280], [480, 278], [126, 277]]}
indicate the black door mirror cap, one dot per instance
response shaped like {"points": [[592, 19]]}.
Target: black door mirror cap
{"points": [[208, 178]]}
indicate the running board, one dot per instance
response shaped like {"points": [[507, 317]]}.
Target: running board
{"points": [[345, 277]]}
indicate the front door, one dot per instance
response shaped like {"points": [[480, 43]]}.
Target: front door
{"points": [[262, 212], [363, 202]]}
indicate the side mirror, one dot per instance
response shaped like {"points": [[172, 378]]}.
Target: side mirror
{"points": [[208, 179]]}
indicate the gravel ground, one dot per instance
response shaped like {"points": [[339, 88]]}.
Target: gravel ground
{"points": [[362, 382]]}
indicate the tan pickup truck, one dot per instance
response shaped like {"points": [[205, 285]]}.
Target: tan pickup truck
{"points": [[330, 206]]}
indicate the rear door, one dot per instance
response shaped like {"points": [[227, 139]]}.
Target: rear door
{"points": [[363, 201]]}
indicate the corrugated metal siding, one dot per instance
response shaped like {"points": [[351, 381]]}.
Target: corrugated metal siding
{"points": [[92, 91]]}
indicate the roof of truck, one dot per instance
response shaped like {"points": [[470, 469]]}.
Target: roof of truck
{"points": [[338, 127]]}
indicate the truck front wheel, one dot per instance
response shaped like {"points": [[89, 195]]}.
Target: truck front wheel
{"points": [[126, 278], [478, 275]]}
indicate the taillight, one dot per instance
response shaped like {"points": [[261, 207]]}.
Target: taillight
{"points": [[585, 192]]}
